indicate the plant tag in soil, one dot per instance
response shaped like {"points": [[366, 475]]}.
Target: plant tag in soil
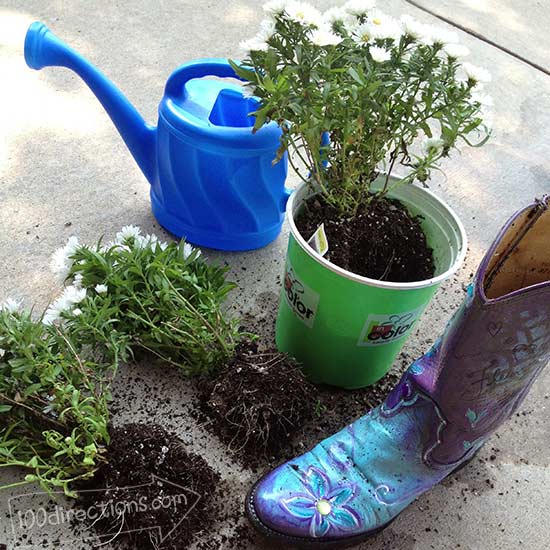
{"points": [[319, 241]]}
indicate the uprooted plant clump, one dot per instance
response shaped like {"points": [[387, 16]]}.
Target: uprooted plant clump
{"points": [[53, 404], [138, 295], [152, 493], [258, 402]]}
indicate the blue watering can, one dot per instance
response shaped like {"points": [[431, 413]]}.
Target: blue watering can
{"points": [[212, 180]]}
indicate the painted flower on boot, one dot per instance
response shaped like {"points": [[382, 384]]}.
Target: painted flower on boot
{"points": [[323, 506]]}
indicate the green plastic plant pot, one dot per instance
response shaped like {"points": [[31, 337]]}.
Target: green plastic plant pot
{"points": [[346, 330]]}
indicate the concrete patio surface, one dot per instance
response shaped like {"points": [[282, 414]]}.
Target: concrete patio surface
{"points": [[64, 170]]}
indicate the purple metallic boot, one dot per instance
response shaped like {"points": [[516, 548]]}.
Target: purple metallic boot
{"points": [[446, 406]]}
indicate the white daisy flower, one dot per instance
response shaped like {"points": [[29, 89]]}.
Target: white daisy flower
{"points": [[477, 74], [275, 7], [2, 352], [127, 232], [73, 295], [433, 145], [303, 13], [101, 289], [380, 54], [337, 15], [414, 28], [267, 29], [384, 26], [259, 43], [443, 36], [253, 45], [363, 34], [10, 305], [70, 296], [61, 262], [146, 241], [51, 316], [359, 7], [188, 250], [77, 280], [325, 37], [77, 311], [456, 51]]}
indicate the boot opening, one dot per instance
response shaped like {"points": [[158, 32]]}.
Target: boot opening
{"points": [[522, 258]]}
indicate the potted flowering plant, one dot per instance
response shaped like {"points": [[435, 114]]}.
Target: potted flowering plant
{"points": [[358, 93]]}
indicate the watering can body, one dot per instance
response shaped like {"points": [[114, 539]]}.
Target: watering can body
{"points": [[212, 180]]}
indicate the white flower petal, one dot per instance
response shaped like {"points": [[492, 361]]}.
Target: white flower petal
{"points": [[359, 7], [456, 51], [443, 36], [337, 15], [275, 7], [10, 305], [303, 13], [127, 232], [377, 29], [363, 34], [51, 316], [101, 289], [254, 45], [380, 54], [77, 280], [477, 74], [414, 28], [433, 145], [323, 37], [61, 262]]}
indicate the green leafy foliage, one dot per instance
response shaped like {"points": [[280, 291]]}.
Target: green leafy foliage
{"points": [[142, 295], [53, 405], [376, 87]]}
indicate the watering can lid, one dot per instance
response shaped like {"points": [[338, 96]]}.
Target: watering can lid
{"points": [[204, 99], [217, 101]]}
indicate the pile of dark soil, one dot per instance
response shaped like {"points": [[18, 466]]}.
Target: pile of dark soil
{"points": [[258, 402], [152, 493], [383, 241]]}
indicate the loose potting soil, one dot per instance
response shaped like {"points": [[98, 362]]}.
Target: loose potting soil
{"points": [[258, 402], [152, 493], [383, 241]]}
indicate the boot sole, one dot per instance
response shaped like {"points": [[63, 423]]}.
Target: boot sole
{"points": [[308, 543]]}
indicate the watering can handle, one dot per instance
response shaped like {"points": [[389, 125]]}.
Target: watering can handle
{"points": [[219, 67]]}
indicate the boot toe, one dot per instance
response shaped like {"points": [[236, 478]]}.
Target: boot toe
{"points": [[305, 503]]}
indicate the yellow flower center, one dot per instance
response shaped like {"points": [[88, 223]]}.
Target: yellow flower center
{"points": [[365, 37], [301, 15], [323, 507], [377, 21]]}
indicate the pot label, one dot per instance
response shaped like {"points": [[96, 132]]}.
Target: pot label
{"points": [[319, 241], [386, 329], [301, 299]]}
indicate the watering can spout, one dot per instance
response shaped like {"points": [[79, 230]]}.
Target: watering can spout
{"points": [[43, 49]]}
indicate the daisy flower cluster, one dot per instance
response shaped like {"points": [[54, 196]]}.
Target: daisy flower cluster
{"points": [[361, 21], [63, 263], [138, 292], [375, 84]]}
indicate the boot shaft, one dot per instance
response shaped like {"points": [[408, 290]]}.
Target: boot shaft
{"points": [[498, 342]]}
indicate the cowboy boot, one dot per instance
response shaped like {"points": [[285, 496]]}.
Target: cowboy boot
{"points": [[446, 406]]}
